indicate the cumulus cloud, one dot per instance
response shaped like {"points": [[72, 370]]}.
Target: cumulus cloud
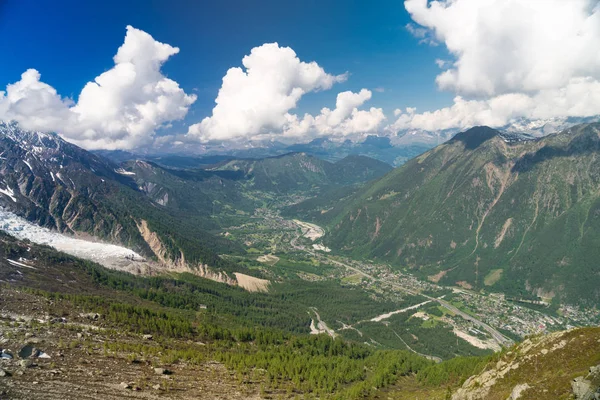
{"points": [[580, 98], [33, 103], [512, 59], [345, 120], [503, 46], [255, 100], [121, 108]]}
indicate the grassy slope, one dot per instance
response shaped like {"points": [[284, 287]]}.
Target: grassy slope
{"points": [[471, 206]]}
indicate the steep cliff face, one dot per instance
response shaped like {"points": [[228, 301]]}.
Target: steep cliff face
{"points": [[60, 186], [178, 263]]}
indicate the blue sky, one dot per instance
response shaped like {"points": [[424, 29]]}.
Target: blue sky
{"points": [[463, 63], [71, 42]]}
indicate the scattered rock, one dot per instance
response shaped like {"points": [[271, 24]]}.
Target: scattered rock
{"points": [[26, 363], [6, 355], [156, 387], [28, 351], [125, 385], [518, 391], [79, 335], [3, 373], [162, 371], [147, 337], [92, 316]]}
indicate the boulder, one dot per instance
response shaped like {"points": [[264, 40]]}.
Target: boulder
{"points": [[162, 371], [28, 351], [582, 389], [5, 354]]}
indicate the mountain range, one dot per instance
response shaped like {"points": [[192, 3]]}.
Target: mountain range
{"points": [[164, 214], [494, 212], [484, 211]]}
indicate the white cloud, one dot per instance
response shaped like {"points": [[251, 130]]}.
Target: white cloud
{"points": [[256, 100], [424, 35], [345, 120], [442, 64], [513, 59], [505, 46], [580, 98], [33, 103], [121, 108]]}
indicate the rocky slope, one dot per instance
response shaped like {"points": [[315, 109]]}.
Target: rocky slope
{"points": [[485, 211], [563, 365], [58, 185]]}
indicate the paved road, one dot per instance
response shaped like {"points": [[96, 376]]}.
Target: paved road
{"points": [[498, 337]]}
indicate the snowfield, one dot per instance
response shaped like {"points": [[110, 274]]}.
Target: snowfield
{"points": [[108, 255]]}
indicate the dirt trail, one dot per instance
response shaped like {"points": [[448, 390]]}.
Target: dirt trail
{"points": [[432, 358], [320, 326], [388, 315]]}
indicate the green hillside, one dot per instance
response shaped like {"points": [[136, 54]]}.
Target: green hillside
{"points": [[299, 171], [521, 217]]}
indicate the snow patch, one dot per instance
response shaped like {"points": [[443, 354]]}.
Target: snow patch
{"points": [[29, 165], [121, 171], [18, 264], [9, 192]]}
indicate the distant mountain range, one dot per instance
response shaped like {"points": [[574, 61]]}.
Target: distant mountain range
{"points": [[394, 149], [377, 147]]}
